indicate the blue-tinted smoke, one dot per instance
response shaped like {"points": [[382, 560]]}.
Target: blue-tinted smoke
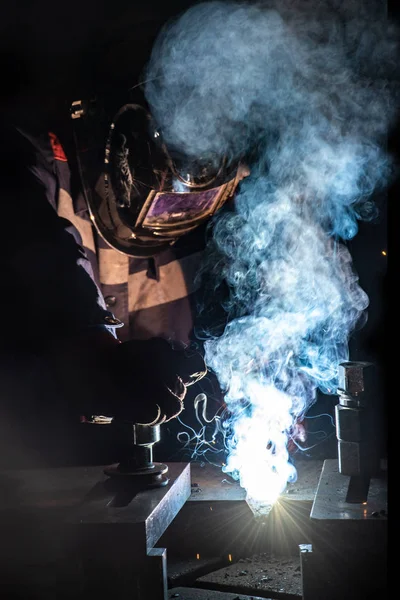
{"points": [[306, 93]]}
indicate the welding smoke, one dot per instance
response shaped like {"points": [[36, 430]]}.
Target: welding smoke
{"points": [[306, 93]]}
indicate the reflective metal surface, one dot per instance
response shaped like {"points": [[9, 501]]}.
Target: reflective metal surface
{"points": [[330, 499]]}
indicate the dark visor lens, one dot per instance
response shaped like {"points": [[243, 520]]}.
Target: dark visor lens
{"points": [[173, 208]]}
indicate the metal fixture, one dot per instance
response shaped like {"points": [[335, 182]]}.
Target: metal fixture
{"points": [[346, 551], [357, 454], [139, 468], [347, 555]]}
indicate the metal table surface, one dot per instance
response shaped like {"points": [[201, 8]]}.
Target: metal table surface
{"points": [[68, 527], [209, 483], [330, 499], [346, 555]]}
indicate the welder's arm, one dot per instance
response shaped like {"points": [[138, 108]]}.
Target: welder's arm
{"points": [[51, 305], [46, 284], [149, 380]]}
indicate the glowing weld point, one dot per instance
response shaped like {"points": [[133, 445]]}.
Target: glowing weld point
{"points": [[384, 253], [230, 557], [198, 556], [259, 508]]}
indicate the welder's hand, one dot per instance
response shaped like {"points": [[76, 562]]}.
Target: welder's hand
{"points": [[151, 378], [135, 381]]}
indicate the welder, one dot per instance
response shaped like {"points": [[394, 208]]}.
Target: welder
{"points": [[101, 243]]}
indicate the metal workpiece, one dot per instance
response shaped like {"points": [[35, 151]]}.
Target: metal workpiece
{"points": [[330, 498], [321, 581], [73, 535], [346, 554], [347, 557], [310, 584]]}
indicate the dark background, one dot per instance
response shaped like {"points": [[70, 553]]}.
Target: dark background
{"points": [[55, 52]]}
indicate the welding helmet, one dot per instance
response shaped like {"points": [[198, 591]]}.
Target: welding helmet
{"points": [[149, 195]]}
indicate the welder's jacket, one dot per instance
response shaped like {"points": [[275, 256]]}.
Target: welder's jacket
{"points": [[58, 277], [64, 275], [151, 297]]}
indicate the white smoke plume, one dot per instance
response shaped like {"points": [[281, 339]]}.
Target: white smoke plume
{"points": [[306, 92]]}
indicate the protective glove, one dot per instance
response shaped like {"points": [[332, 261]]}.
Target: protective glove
{"points": [[139, 381], [151, 378]]}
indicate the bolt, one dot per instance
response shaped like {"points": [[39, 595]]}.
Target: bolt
{"points": [[351, 377]]}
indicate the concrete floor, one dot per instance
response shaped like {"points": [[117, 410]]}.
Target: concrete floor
{"points": [[195, 594], [258, 576]]}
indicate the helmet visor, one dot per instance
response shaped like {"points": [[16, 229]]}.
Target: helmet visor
{"points": [[178, 210]]}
